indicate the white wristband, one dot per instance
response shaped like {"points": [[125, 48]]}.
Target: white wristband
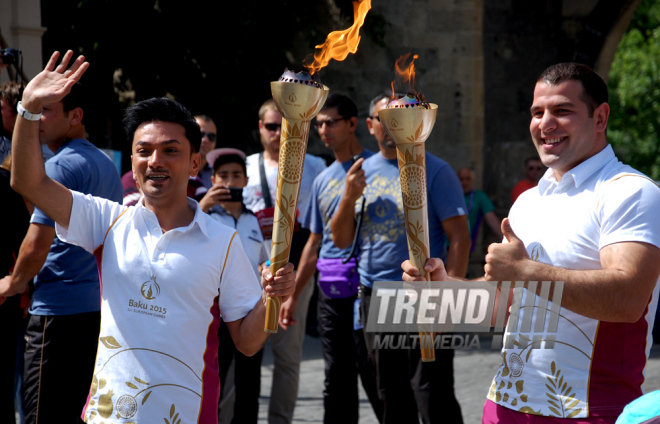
{"points": [[27, 115]]}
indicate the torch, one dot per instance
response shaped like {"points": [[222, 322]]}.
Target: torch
{"points": [[299, 97], [409, 120]]}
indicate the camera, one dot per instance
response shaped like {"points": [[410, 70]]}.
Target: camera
{"points": [[10, 56], [236, 194]]}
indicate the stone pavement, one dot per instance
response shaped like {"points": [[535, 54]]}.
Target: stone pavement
{"points": [[473, 371]]}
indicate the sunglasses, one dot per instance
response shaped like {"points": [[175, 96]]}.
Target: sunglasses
{"points": [[329, 123], [273, 127], [211, 136]]}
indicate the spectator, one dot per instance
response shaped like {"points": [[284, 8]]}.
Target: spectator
{"points": [[209, 137], [259, 196], [65, 308], [479, 207], [344, 350], [10, 94], [229, 171], [533, 169], [17, 221], [407, 386]]}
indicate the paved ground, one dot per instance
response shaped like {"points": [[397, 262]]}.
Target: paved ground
{"points": [[473, 373]]}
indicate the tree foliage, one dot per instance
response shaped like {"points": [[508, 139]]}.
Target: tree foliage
{"points": [[216, 58], [634, 84]]}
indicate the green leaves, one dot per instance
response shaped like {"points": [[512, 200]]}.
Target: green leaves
{"points": [[634, 85]]}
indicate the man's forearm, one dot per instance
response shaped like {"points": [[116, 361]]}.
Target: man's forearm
{"points": [[31, 257], [251, 336], [458, 256], [602, 294], [343, 224]]}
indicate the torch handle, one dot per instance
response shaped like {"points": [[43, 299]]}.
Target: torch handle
{"points": [[412, 170], [293, 146]]}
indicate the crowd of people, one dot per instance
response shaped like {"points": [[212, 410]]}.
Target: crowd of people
{"points": [[145, 293]]}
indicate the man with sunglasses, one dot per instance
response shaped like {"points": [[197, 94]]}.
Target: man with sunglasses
{"points": [[533, 169], [209, 138], [259, 197]]}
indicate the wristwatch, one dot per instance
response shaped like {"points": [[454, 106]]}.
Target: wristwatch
{"points": [[27, 115]]}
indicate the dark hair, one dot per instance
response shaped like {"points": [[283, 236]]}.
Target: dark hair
{"points": [[385, 94], [165, 110], [225, 159], [531, 158], [594, 89], [11, 93], [77, 98], [345, 106]]}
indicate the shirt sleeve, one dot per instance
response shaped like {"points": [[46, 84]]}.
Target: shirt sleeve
{"points": [[63, 175], [445, 193], [484, 203], [91, 217], [313, 219], [627, 211], [238, 293]]}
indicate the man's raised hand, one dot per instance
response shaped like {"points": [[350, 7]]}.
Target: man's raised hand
{"points": [[54, 82]]}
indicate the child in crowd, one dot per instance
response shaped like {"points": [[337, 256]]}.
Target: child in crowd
{"points": [[229, 173]]}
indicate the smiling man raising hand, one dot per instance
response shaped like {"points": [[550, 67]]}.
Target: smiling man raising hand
{"points": [[167, 269]]}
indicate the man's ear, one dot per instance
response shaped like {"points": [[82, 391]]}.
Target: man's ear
{"points": [[75, 116], [370, 126], [353, 122], [196, 163], [601, 116]]}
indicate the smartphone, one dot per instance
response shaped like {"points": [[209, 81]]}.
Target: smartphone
{"points": [[236, 194], [355, 158]]}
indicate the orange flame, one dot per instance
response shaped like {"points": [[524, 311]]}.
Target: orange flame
{"points": [[340, 43], [405, 74]]}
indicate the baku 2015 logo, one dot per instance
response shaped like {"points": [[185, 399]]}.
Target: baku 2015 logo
{"points": [[150, 289]]}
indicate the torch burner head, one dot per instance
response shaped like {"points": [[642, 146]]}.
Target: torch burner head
{"points": [[408, 101], [302, 77]]}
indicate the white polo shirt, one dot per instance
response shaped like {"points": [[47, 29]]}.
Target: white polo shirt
{"points": [[595, 367], [162, 296]]}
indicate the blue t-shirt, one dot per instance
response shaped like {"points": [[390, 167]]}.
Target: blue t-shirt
{"points": [[68, 283], [383, 244], [326, 194]]}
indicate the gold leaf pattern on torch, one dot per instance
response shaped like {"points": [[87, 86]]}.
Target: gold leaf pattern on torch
{"points": [[412, 169]]}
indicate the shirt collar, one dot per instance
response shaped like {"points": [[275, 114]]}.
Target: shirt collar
{"points": [[581, 173], [198, 219]]}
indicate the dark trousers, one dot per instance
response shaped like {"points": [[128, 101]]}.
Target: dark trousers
{"points": [[11, 321], [247, 377], [408, 387], [345, 356], [60, 352]]}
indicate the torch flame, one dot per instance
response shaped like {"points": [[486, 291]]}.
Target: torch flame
{"points": [[340, 43], [405, 73]]}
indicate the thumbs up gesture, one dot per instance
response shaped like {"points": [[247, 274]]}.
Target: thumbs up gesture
{"points": [[507, 261]]}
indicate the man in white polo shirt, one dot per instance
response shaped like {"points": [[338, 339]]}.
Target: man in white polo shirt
{"points": [[167, 269], [592, 223]]}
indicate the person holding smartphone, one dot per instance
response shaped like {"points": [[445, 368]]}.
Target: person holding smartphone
{"points": [[229, 178]]}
